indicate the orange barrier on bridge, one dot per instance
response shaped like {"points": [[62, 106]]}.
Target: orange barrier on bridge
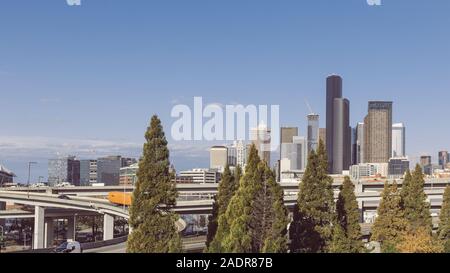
{"points": [[120, 198]]}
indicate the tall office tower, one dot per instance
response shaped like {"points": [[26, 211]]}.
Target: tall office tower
{"points": [[323, 136], [360, 143], [398, 140], [261, 139], [108, 170], [334, 91], [294, 155], [341, 136], [286, 136], [425, 160], [338, 131], [378, 132], [313, 132], [241, 153], [443, 159], [218, 157], [88, 172], [354, 160], [65, 169], [232, 155]]}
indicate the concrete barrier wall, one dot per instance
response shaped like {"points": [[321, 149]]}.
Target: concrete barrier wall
{"points": [[84, 246]]}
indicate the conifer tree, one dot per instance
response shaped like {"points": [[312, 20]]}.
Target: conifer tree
{"points": [[444, 223], [414, 201], [419, 241], [406, 187], [153, 223], [347, 221], [213, 220], [390, 224], [226, 190], [311, 229], [256, 219]]}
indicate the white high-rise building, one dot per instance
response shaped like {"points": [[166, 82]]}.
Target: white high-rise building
{"points": [[360, 143], [261, 137], [240, 150], [313, 132], [398, 140]]}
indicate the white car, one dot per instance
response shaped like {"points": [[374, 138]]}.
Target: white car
{"points": [[38, 185], [64, 185], [69, 247]]}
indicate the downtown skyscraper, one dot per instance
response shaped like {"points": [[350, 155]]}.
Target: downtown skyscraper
{"points": [[378, 132], [398, 140], [313, 132], [338, 130]]}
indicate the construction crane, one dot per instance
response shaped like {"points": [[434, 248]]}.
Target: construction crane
{"points": [[309, 107]]}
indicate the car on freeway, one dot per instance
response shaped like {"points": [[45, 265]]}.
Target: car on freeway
{"points": [[69, 246], [63, 196]]}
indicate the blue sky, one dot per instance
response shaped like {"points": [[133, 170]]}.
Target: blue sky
{"points": [[85, 80]]}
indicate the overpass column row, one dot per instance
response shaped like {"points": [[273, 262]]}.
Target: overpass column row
{"points": [[108, 227], [2, 207], [71, 228], [39, 227], [49, 232]]}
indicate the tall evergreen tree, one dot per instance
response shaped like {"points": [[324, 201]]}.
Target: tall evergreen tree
{"points": [[390, 224], [419, 241], [227, 188], [311, 229], [256, 219], [213, 222], [406, 187], [444, 223], [414, 201], [348, 238], [151, 220]]}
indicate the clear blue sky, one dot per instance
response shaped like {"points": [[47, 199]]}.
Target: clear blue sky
{"points": [[85, 80]]}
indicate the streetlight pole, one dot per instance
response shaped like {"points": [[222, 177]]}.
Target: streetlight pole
{"points": [[29, 176]]}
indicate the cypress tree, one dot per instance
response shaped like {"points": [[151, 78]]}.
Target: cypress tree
{"points": [[390, 224], [256, 219], [269, 217], [347, 221], [226, 190], [419, 241], [406, 187], [212, 223], [444, 223], [414, 201], [311, 229], [227, 187], [153, 223]]}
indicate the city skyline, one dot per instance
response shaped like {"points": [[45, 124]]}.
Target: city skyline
{"points": [[55, 102]]}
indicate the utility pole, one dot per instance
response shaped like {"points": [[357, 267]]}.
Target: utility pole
{"points": [[29, 177]]}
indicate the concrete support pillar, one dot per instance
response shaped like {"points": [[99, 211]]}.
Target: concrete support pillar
{"points": [[361, 211], [39, 227], [71, 228], [49, 232], [108, 227], [2, 207]]}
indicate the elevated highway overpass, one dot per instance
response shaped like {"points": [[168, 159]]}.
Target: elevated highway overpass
{"points": [[51, 202]]}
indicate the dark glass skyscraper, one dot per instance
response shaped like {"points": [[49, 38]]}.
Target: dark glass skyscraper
{"points": [[338, 140]]}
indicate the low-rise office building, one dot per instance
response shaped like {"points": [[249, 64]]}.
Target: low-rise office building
{"points": [[201, 176]]}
